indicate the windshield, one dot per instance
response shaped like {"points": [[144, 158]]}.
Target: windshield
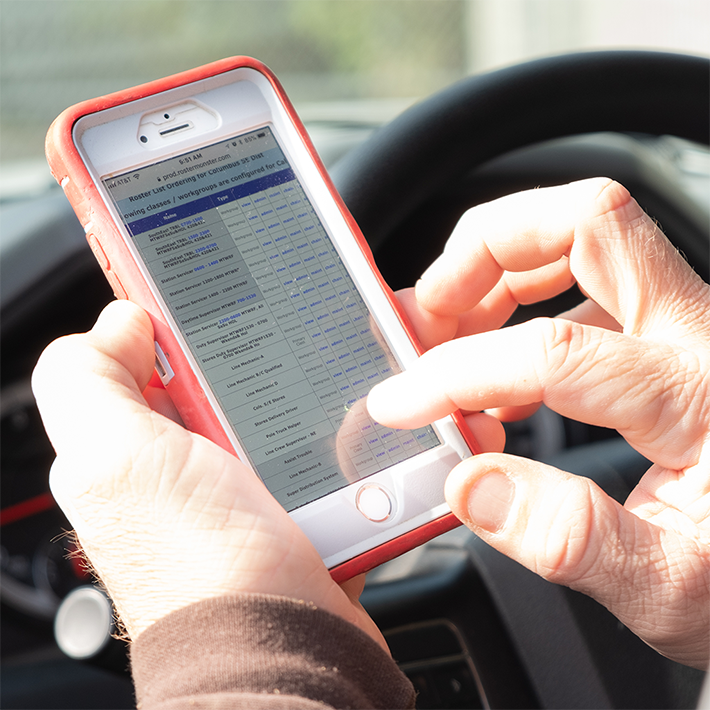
{"points": [[342, 62]]}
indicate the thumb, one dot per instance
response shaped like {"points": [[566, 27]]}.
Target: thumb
{"points": [[566, 529], [550, 521]]}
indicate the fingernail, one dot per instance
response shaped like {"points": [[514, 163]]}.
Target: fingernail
{"points": [[490, 500]]}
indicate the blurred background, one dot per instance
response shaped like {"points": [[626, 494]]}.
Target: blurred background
{"points": [[360, 60]]}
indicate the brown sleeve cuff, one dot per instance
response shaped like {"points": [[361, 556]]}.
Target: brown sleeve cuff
{"points": [[261, 651]]}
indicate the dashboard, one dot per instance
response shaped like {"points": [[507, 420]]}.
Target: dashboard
{"points": [[470, 627]]}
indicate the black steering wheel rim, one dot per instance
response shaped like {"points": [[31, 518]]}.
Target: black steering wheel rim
{"points": [[439, 140]]}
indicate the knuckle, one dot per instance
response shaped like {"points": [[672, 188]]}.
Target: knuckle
{"points": [[55, 359], [560, 342], [56, 350], [608, 215], [612, 195], [616, 207], [631, 239], [567, 550], [580, 551]]}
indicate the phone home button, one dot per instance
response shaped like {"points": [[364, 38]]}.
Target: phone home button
{"points": [[374, 503]]}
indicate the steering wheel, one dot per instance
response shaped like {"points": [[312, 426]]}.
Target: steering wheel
{"points": [[430, 148], [407, 186], [410, 182]]}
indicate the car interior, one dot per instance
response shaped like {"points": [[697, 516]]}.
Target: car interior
{"points": [[471, 628]]}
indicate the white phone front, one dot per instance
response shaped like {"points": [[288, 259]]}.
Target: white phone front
{"points": [[278, 311]]}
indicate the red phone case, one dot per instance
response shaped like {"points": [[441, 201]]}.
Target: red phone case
{"points": [[125, 278]]}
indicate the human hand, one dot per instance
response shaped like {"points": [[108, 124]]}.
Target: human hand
{"points": [[635, 357], [166, 517]]}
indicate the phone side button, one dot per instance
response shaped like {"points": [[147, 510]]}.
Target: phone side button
{"points": [[98, 250], [374, 503], [116, 285], [162, 366]]}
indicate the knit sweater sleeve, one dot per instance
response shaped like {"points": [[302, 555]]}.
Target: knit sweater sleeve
{"points": [[262, 652]]}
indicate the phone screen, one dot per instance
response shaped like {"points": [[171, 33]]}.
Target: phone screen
{"points": [[269, 312]]}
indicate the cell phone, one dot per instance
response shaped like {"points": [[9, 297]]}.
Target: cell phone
{"points": [[205, 203]]}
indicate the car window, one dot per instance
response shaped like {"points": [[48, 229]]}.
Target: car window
{"points": [[340, 60]]}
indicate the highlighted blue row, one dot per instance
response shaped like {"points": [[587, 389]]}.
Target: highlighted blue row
{"points": [[202, 204]]}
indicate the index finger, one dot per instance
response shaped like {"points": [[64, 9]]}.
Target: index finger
{"points": [[518, 233], [653, 393], [615, 252], [87, 384]]}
